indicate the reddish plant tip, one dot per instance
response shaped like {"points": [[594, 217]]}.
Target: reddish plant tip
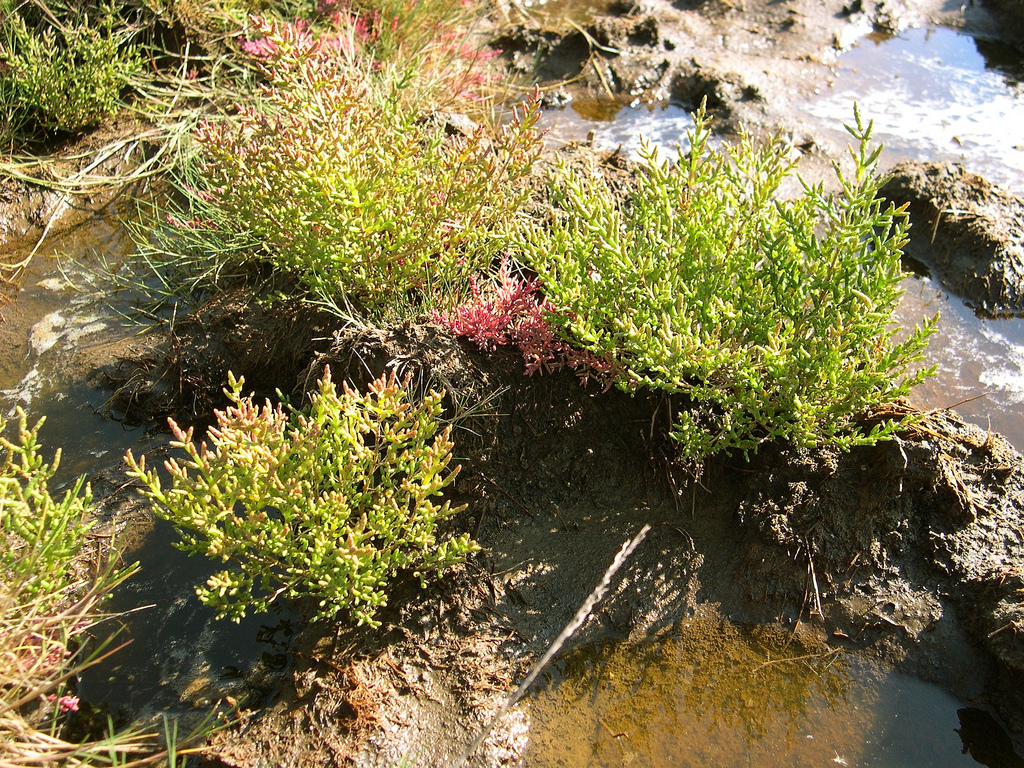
{"points": [[511, 312]]}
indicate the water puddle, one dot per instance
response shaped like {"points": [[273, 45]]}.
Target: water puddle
{"points": [[613, 125], [59, 316], [180, 658], [934, 94], [716, 694], [980, 362]]}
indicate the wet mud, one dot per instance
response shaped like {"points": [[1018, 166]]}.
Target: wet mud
{"points": [[34, 204], [968, 230], [1009, 16], [751, 60], [181, 372], [910, 553]]}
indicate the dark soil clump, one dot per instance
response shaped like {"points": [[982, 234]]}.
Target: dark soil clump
{"points": [[970, 231], [182, 373], [1009, 15]]}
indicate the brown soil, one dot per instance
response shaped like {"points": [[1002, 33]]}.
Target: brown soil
{"points": [[1009, 18], [911, 551], [182, 372]]}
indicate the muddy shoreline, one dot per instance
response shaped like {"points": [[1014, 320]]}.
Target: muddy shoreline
{"points": [[976, 242], [915, 547], [910, 553]]}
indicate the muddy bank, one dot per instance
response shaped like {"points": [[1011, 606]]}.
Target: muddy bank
{"points": [[911, 552], [65, 183], [181, 373], [906, 533], [970, 231]]}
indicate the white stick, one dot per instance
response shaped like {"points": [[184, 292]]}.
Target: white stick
{"points": [[577, 621]]}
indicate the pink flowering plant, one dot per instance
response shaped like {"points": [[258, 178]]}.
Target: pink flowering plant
{"points": [[510, 311], [428, 35], [332, 179], [327, 505]]}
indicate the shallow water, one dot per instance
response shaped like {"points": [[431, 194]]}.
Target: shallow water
{"points": [[614, 125], [717, 694], [60, 311], [980, 362], [181, 659], [934, 94]]}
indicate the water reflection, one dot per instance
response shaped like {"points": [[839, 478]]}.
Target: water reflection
{"points": [[1005, 60], [48, 335], [934, 94], [980, 362], [180, 656], [985, 740], [716, 694], [615, 125]]}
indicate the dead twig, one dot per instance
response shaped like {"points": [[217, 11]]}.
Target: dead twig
{"points": [[582, 614], [816, 610]]}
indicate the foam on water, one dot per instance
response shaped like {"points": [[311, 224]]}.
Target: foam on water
{"points": [[933, 96]]}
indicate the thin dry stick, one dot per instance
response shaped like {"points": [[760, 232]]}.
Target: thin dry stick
{"points": [[604, 80], [935, 229], [577, 621], [814, 581]]}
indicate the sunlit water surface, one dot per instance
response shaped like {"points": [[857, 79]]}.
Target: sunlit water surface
{"points": [[715, 694], [60, 311], [934, 94], [612, 125]]}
